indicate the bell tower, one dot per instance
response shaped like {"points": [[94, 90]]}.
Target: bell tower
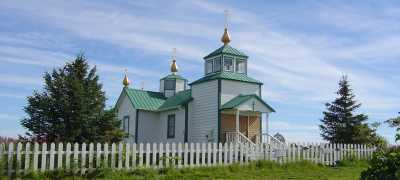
{"points": [[173, 83]]}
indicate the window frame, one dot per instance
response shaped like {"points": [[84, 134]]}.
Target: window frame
{"points": [[125, 120], [169, 80], [218, 58], [171, 118], [232, 65], [209, 61], [237, 60]]}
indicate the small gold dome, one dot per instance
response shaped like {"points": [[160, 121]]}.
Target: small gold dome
{"points": [[126, 81], [225, 37], [174, 67]]}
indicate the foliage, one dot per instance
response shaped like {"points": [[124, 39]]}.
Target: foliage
{"points": [[253, 170], [71, 107], [385, 164], [395, 122], [341, 124]]}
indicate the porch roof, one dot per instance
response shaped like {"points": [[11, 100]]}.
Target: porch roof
{"points": [[243, 102]]}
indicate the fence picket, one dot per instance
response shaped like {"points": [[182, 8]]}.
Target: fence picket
{"points": [[120, 151], [52, 149], [91, 151], [67, 156], [18, 152], [44, 156], [127, 155], [83, 158], [10, 158], [177, 155], [27, 156], [98, 155]]}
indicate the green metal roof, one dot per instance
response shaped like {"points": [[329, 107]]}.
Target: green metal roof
{"points": [[228, 76], [236, 101], [173, 76], [145, 100], [226, 49], [180, 98], [156, 101]]}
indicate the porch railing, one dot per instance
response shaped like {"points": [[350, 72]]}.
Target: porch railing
{"points": [[237, 137], [267, 138]]}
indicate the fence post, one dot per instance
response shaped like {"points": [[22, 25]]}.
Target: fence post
{"points": [[154, 155], [167, 155], [214, 155], [147, 155], [209, 152], [197, 154], [192, 154], [75, 156]]}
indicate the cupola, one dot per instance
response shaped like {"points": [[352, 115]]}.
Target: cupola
{"points": [[173, 83]]}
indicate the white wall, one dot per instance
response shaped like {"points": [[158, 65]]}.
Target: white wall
{"points": [[231, 89], [179, 125], [125, 108], [148, 127], [204, 108]]}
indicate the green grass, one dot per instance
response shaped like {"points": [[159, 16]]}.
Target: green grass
{"points": [[255, 170]]}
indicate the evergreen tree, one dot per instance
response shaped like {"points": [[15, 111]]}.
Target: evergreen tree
{"points": [[395, 122], [340, 123], [71, 107]]}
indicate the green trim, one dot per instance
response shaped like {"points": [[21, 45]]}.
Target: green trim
{"points": [[219, 110], [173, 76], [136, 127], [186, 123], [236, 101], [227, 76]]}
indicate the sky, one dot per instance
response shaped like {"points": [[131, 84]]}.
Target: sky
{"points": [[299, 49]]}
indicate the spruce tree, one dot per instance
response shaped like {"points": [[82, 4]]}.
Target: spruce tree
{"points": [[340, 123], [71, 107], [395, 122]]}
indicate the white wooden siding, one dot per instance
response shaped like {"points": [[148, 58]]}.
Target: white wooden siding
{"points": [[231, 89], [148, 127], [179, 126], [204, 117], [125, 108]]}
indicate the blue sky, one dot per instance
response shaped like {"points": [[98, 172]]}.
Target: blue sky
{"points": [[299, 49]]}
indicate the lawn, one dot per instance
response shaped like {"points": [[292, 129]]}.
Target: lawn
{"points": [[256, 170]]}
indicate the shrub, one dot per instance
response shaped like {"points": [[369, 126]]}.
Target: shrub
{"points": [[384, 165]]}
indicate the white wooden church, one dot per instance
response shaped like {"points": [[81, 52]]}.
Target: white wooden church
{"points": [[222, 106]]}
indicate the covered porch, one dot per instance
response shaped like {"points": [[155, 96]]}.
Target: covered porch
{"points": [[241, 119]]}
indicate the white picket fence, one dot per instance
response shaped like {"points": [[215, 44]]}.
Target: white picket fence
{"points": [[23, 158]]}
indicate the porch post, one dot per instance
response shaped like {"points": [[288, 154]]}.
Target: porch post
{"points": [[237, 120], [237, 126]]}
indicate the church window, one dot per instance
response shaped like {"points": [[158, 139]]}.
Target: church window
{"points": [[217, 64], [240, 66], [228, 63], [125, 124], [171, 126], [209, 66], [169, 84]]}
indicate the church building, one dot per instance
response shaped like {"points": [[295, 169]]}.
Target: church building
{"points": [[224, 105]]}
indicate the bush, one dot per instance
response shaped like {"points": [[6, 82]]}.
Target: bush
{"points": [[384, 165]]}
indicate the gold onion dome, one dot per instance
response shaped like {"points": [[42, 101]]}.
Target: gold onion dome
{"points": [[126, 81], [174, 67], [225, 37]]}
